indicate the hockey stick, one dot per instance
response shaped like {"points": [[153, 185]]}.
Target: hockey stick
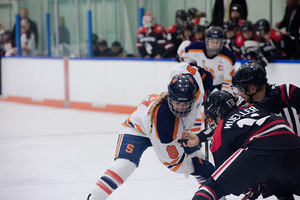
{"points": [[206, 155]]}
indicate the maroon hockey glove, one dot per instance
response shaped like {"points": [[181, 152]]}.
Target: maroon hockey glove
{"points": [[255, 191]]}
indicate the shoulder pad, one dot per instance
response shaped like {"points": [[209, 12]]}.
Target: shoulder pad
{"points": [[158, 29], [172, 29], [195, 45], [276, 35], [227, 53], [142, 30]]}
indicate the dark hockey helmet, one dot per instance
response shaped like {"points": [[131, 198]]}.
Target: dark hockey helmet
{"points": [[262, 26], [218, 104], [187, 26], [214, 32], [248, 74], [192, 12], [181, 14], [180, 17], [199, 28], [182, 93], [228, 26], [238, 8], [247, 26]]}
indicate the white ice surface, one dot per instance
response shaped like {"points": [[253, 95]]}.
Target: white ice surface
{"points": [[59, 154]]}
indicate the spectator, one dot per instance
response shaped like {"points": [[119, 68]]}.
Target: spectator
{"points": [[64, 35], [117, 50], [2, 31], [24, 15], [27, 39], [63, 39], [221, 11], [95, 38], [246, 42], [291, 22], [95, 48], [151, 38], [104, 50], [6, 45], [237, 15], [174, 34], [271, 43]]}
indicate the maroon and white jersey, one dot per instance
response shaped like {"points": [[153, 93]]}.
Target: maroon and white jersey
{"points": [[174, 39], [273, 47], [151, 42], [251, 127], [284, 100]]}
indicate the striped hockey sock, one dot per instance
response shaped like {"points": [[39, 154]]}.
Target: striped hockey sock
{"points": [[114, 176]]}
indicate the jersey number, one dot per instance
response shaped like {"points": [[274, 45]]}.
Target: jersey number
{"points": [[172, 151], [150, 99], [191, 69]]}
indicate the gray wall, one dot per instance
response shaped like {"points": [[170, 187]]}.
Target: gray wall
{"points": [[117, 19]]}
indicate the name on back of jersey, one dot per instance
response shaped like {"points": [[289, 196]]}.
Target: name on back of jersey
{"points": [[236, 116]]}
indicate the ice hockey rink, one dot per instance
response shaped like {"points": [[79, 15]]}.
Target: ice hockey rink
{"points": [[59, 154]]}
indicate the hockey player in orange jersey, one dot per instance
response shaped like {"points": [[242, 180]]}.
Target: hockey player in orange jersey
{"points": [[159, 121]]}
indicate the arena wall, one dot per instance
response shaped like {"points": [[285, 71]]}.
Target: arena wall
{"points": [[111, 85]]}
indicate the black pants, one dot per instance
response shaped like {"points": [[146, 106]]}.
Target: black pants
{"points": [[248, 167]]}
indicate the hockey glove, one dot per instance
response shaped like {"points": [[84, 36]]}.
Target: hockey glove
{"points": [[255, 191], [202, 167], [207, 133]]}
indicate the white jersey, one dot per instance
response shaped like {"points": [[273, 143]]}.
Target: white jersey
{"points": [[220, 66], [167, 128]]}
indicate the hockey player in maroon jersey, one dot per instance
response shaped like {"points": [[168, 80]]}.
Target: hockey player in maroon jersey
{"points": [[199, 33], [174, 34], [250, 80], [230, 32], [271, 43], [251, 83], [246, 42], [187, 32], [193, 15], [250, 146], [151, 38]]}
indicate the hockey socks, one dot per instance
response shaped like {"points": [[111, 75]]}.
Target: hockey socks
{"points": [[114, 176]]}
